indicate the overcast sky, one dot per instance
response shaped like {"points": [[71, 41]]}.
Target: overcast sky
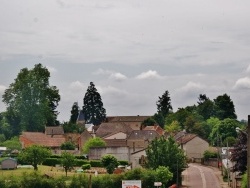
{"points": [[133, 50]]}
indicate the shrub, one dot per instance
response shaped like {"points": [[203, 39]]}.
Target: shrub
{"points": [[80, 162], [96, 163], [208, 154], [52, 161], [124, 163], [86, 166]]}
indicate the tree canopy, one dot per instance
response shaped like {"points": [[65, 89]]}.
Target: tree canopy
{"points": [[31, 101], [97, 141], [74, 113], [164, 104], [68, 161], [93, 108]]}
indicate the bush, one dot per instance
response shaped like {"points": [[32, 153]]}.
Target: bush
{"points": [[208, 154], [80, 162], [52, 161], [86, 166], [68, 146], [79, 181], [96, 163], [124, 163]]}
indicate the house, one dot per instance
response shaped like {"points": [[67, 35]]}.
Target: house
{"points": [[106, 129], [138, 158], [141, 138], [134, 122], [193, 145], [54, 131], [8, 164], [157, 128], [83, 138], [38, 138]]}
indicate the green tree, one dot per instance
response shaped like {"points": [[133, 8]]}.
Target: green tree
{"points": [[93, 142], [93, 106], [166, 152], [68, 161], [34, 155], [148, 122], [173, 127], [164, 104], [12, 143], [68, 146], [224, 107], [163, 175], [74, 113], [110, 163], [205, 107], [31, 101], [158, 117]]}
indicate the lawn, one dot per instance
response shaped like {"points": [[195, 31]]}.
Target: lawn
{"points": [[48, 170]]}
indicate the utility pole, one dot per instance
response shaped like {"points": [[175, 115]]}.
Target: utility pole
{"points": [[248, 152]]}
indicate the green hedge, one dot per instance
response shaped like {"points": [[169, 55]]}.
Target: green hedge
{"points": [[86, 166], [124, 163], [96, 163], [80, 162], [52, 161]]}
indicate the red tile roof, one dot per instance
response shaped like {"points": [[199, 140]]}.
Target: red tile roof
{"points": [[41, 139]]}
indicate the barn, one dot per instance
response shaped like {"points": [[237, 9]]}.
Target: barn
{"points": [[8, 164]]}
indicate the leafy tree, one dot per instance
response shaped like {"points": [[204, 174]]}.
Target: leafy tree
{"points": [[93, 142], [239, 153], [158, 117], [205, 107], [34, 155], [148, 122], [166, 152], [5, 128], [222, 130], [164, 104], [163, 175], [69, 127], [68, 146], [68, 161], [173, 127], [31, 101], [224, 107], [12, 143], [110, 163], [93, 106], [74, 113]]}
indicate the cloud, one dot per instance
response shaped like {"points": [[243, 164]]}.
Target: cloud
{"points": [[242, 83], [102, 72], [117, 76], [2, 89], [51, 69], [149, 75], [248, 69], [76, 86], [192, 89]]}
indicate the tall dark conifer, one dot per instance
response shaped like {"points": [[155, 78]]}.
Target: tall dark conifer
{"points": [[74, 113], [93, 106]]}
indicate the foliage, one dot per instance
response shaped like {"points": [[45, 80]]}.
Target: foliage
{"points": [[79, 181], [173, 127], [51, 161], [12, 144], [163, 104], [166, 152], [110, 163], [244, 181], [86, 166], [68, 161], [31, 101], [34, 155], [93, 142], [163, 175], [208, 154], [148, 122], [68, 146], [206, 107], [93, 106], [229, 141], [158, 117], [69, 127], [96, 163], [224, 107], [74, 113], [239, 153]]}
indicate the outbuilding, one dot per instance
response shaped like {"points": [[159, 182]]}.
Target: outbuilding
{"points": [[8, 164]]}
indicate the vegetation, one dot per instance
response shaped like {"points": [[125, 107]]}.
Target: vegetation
{"points": [[166, 152], [34, 155], [68, 146], [31, 102], [74, 113], [110, 163], [68, 161], [93, 142], [93, 106]]}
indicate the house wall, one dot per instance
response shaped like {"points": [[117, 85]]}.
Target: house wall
{"points": [[137, 143], [195, 148], [120, 153], [135, 158]]}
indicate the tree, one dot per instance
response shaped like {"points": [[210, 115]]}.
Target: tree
{"points": [[148, 122], [93, 106], [68, 161], [205, 107], [239, 153], [68, 146], [34, 155], [31, 101], [93, 142], [110, 163], [163, 175], [224, 107], [173, 127], [166, 152], [158, 117], [74, 113], [164, 104]]}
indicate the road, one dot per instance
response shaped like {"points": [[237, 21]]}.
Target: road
{"points": [[197, 176]]}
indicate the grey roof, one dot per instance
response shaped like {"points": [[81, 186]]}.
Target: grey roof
{"points": [[143, 135], [55, 130]]}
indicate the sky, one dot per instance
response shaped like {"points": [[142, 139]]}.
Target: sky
{"points": [[133, 50]]}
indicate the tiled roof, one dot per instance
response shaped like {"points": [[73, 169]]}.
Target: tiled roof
{"points": [[42, 139], [143, 135], [109, 128], [185, 138], [56, 130], [127, 118], [157, 128]]}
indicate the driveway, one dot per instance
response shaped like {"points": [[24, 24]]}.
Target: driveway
{"points": [[198, 176]]}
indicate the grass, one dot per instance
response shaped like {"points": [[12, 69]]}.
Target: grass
{"points": [[51, 171]]}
